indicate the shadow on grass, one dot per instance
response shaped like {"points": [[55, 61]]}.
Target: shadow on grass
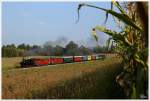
{"points": [[96, 85]]}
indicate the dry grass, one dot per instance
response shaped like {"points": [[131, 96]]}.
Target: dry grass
{"points": [[10, 63], [45, 82]]}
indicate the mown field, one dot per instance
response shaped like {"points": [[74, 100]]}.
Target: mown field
{"points": [[83, 80]]}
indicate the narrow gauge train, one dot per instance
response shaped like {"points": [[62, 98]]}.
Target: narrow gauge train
{"points": [[59, 60]]}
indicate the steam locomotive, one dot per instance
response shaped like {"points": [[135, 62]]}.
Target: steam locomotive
{"points": [[32, 62]]}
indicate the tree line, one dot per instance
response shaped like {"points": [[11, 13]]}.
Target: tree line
{"points": [[48, 50]]}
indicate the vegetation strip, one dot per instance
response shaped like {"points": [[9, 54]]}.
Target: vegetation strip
{"points": [[24, 84]]}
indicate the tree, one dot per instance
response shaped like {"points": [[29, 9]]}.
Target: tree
{"points": [[71, 48], [97, 49], [58, 50], [28, 47], [71, 45], [47, 49], [35, 47], [22, 46], [9, 52], [84, 50]]}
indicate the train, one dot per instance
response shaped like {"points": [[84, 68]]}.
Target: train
{"points": [[33, 62]]}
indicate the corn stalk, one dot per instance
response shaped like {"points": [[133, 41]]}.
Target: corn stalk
{"points": [[131, 45]]}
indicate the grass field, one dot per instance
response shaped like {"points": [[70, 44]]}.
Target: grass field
{"points": [[92, 79]]}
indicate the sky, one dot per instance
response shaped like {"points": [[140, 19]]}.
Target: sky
{"points": [[39, 22]]}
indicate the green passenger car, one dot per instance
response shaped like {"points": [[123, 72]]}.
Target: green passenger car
{"points": [[68, 59], [97, 57], [101, 57]]}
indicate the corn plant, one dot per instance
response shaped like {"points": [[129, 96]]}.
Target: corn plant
{"points": [[130, 44]]}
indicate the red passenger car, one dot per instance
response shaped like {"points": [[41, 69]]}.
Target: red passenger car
{"points": [[55, 60], [77, 58], [41, 62]]}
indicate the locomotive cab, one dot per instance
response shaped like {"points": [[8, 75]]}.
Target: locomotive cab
{"points": [[27, 62]]}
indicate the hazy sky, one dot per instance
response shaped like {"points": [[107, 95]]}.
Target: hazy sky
{"points": [[38, 22]]}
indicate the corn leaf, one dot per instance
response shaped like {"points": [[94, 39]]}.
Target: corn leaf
{"points": [[121, 16], [118, 6], [133, 96], [125, 18], [139, 81], [108, 43], [139, 60], [79, 7], [95, 35], [111, 5], [116, 36], [109, 32], [106, 18]]}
